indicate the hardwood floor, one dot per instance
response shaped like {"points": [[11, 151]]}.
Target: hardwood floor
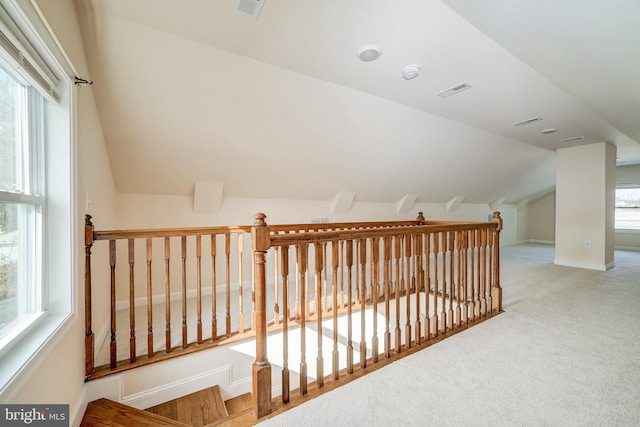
{"points": [[204, 408]]}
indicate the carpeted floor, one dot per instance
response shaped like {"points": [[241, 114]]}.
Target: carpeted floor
{"points": [[566, 352]]}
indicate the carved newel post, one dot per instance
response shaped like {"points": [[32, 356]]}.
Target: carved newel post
{"points": [[421, 219], [496, 290], [89, 368], [261, 373]]}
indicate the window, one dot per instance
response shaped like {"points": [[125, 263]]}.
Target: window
{"points": [[628, 208], [37, 220], [21, 206]]}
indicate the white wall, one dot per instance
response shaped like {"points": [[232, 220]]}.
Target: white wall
{"points": [[585, 185]]}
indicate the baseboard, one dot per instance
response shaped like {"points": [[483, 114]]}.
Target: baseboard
{"points": [[544, 242], [588, 266]]}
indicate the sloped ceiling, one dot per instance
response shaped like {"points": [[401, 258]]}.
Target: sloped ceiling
{"points": [[281, 107]]}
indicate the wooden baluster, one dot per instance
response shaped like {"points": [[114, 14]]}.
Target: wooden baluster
{"points": [[132, 302], [428, 292], [302, 273], [89, 362], [459, 279], [113, 354], [419, 280], [386, 272], [451, 248], [227, 249], [464, 274], [199, 288], [358, 282], [472, 275], [240, 286], [407, 289], [167, 295], [150, 351], [214, 296], [298, 306], [341, 302], [261, 369], [490, 237], [325, 300], [335, 264], [286, 382], [483, 280], [479, 271], [443, 313], [375, 289], [349, 256], [396, 256], [319, 259], [276, 307], [436, 284], [363, 305], [183, 241], [496, 290]]}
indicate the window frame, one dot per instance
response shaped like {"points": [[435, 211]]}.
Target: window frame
{"points": [[59, 243], [626, 186]]}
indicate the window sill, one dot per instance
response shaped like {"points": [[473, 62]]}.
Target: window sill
{"points": [[29, 349], [627, 231]]}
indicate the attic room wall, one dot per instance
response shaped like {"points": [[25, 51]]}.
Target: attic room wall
{"points": [[56, 374], [148, 211]]}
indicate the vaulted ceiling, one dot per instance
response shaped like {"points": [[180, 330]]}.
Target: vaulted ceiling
{"points": [[281, 106]]}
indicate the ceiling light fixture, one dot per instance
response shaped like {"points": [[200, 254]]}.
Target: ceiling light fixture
{"points": [[369, 53], [454, 90], [410, 72], [527, 122]]}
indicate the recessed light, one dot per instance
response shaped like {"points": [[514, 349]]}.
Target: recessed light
{"points": [[550, 130], [454, 90], [575, 138], [527, 121], [369, 53]]}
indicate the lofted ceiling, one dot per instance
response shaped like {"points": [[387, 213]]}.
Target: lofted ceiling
{"points": [[281, 107]]}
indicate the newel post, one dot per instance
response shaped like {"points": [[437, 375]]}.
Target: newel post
{"points": [[89, 367], [261, 372], [421, 219], [496, 290]]}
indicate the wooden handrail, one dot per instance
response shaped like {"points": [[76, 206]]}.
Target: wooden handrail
{"points": [[416, 281]]}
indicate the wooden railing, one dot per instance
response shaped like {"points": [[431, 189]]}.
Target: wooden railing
{"points": [[377, 289]]}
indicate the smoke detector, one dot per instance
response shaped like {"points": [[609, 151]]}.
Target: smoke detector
{"points": [[369, 53], [410, 72], [248, 8]]}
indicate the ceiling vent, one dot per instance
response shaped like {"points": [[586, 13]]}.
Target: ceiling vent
{"points": [[575, 138], [527, 122], [248, 8], [454, 90], [549, 131]]}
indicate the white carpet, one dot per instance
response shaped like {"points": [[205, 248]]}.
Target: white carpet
{"points": [[566, 352]]}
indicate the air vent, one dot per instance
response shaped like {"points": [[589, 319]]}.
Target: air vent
{"points": [[454, 90], [248, 8], [527, 122], [575, 138], [549, 131]]}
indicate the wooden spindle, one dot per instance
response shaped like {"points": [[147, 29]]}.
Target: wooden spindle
{"points": [[472, 275], [451, 251], [335, 264], [183, 240], [407, 290], [199, 289], [132, 302], [496, 290], [227, 250], [375, 290], [286, 381], [459, 280], [349, 257], [319, 267], [429, 293], [483, 273], [325, 278], [214, 293], [113, 354], [464, 274], [276, 307], [436, 285], [397, 245], [150, 350], [363, 299], [302, 273], [417, 251], [443, 313], [240, 286], [386, 279], [261, 370], [89, 338], [167, 295], [341, 302]]}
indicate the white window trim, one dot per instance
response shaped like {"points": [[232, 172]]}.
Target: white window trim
{"points": [[627, 185]]}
